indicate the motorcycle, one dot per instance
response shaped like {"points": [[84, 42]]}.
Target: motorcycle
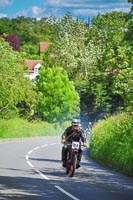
{"points": [[72, 158]]}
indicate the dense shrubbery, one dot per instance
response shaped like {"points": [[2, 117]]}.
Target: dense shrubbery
{"points": [[111, 143], [19, 128]]}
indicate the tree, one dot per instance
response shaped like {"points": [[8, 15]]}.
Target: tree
{"points": [[13, 41], [93, 57], [79, 59], [5, 26], [123, 86], [69, 43], [117, 56], [16, 91], [131, 1], [58, 99]]}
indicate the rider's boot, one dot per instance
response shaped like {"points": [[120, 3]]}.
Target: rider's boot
{"points": [[63, 158], [78, 165], [63, 164]]}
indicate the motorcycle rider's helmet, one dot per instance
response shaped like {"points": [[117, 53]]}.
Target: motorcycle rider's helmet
{"points": [[75, 122]]}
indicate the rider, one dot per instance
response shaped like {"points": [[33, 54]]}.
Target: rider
{"points": [[73, 132]]}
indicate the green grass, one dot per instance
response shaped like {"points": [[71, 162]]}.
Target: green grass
{"points": [[112, 143], [20, 128]]}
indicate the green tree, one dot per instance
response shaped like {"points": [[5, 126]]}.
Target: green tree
{"points": [[16, 92], [80, 58], [131, 1], [58, 99], [30, 31], [108, 32], [123, 86], [93, 57], [5, 26], [70, 50]]}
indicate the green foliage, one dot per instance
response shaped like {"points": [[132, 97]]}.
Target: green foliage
{"points": [[131, 1], [5, 25], [20, 128], [98, 59], [71, 51], [58, 99], [115, 58], [124, 86], [31, 50], [112, 143], [30, 32], [15, 89], [26, 29]]}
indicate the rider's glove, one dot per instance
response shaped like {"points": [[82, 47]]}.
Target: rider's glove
{"points": [[63, 141], [85, 144]]}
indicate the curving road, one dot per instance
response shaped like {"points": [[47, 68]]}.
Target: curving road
{"points": [[30, 169]]}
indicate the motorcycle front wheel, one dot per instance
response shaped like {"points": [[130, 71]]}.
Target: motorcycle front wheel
{"points": [[73, 165]]}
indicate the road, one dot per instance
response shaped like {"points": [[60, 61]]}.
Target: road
{"points": [[30, 169]]}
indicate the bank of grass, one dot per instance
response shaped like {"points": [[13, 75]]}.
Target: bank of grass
{"points": [[20, 128], [112, 143]]}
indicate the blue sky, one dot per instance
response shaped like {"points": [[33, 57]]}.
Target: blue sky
{"points": [[46, 8]]}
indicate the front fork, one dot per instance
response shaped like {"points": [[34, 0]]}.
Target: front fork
{"points": [[73, 158]]}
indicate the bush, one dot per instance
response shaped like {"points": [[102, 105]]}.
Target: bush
{"points": [[111, 143], [19, 128]]}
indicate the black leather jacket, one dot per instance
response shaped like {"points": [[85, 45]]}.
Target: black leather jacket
{"points": [[73, 134]]}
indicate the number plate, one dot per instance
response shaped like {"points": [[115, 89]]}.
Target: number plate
{"points": [[75, 145]]}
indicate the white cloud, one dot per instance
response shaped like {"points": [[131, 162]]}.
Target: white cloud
{"points": [[101, 9], [22, 13], [58, 8], [5, 3], [37, 10], [67, 3], [85, 12], [54, 3], [83, 8], [86, 7], [3, 15]]}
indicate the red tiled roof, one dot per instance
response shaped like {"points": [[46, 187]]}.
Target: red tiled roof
{"points": [[32, 63], [44, 46]]}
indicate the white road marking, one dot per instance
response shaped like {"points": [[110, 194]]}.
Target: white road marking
{"points": [[30, 152], [29, 163], [43, 175], [45, 145], [36, 148], [67, 193], [26, 157]]}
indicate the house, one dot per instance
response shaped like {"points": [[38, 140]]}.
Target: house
{"points": [[33, 68], [34, 65], [43, 46]]}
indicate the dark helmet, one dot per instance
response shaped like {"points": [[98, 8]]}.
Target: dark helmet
{"points": [[75, 122]]}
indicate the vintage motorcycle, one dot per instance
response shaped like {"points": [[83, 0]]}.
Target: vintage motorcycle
{"points": [[72, 157]]}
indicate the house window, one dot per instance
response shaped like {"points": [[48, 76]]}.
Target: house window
{"points": [[36, 70]]}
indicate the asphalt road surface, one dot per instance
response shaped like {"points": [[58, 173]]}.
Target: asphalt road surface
{"points": [[30, 169]]}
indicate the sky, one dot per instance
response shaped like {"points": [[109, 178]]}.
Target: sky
{"points": [[45, 8]]}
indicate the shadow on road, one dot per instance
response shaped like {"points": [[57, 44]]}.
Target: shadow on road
{"points": [[91, 175], [25, 188], [103, 177]]}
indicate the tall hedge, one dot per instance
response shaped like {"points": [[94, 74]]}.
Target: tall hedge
{"points": [[111, 143]]}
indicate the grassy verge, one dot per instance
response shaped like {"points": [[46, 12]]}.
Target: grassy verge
{"points": [[112, 143], [19, 128]]}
